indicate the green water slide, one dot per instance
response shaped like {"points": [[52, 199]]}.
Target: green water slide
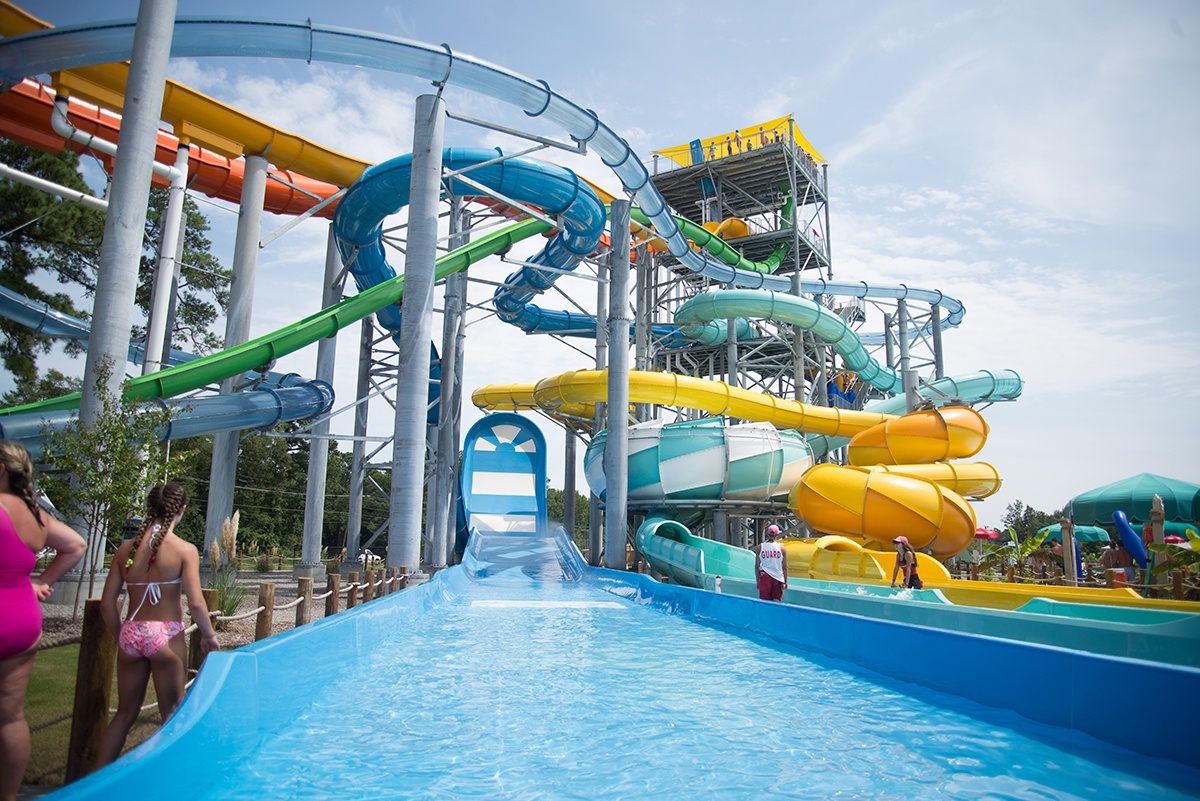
{"points": [[266, 349]]}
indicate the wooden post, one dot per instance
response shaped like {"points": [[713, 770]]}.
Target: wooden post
{"points": [[333, 585], [195, 654], [1110, 578], [368, 584], [266, 599], [1058, 575], [304, 608], [1177, 585], [93, 682], [352, 594], [402, 571], [1012, 574], [974, 572]]}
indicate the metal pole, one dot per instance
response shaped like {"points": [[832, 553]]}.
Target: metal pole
{"points": [[902, 330], [124, 225], [460, 359], [416, 329], [616, 448], [822, 354], [801, 388], [721, 526], [939, 368], [441, 534], [641, 324], [569, 482], [731, 353], [595, 516], [237, 331], [164, 275], [889, 347], [318, 447], [358, 458]]}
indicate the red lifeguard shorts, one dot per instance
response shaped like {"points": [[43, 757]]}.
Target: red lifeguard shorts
{"points": [[769, 589]]}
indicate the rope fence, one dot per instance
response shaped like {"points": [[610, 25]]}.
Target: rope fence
{"points": [[97, 651], [1174, 583]]}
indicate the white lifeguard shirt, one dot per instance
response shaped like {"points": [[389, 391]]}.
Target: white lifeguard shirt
{"points": [[770, 559]]}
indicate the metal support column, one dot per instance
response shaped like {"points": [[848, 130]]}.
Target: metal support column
{"points": [[569, 458], [939, 367], [595, 516], [446, 470], [801, 387], [906, 374], [616, 448], [358, 458], [310, 565], [416, 328], [164, 274], [124, 225], [237, 330]]}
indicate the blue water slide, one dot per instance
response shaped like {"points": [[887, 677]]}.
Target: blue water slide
{"points": [[1130, 539], [504, 476], [47, 321], [278, 397], [384, 190], [294, 398], [68, 47]]}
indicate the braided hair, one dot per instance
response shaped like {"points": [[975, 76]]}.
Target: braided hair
{"points": [[19, 465], [163, 502]]}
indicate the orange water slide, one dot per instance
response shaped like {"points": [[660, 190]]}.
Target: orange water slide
{"points": [[25, 112]]}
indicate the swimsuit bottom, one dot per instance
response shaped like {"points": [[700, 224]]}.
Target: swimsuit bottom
{"points": [[21, 623], [145, 638]]}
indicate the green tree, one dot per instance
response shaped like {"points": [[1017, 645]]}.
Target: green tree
{"points": [[50, 385], [556, 507], [203, 282], [43, 235], [1024, 521], [102, 471]]}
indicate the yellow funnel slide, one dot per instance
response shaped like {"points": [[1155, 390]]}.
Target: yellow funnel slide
{"points": [[932, 435], [880, 506]]}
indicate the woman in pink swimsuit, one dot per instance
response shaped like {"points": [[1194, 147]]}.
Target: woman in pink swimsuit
{"points": [[158, 568], [24, 531]]}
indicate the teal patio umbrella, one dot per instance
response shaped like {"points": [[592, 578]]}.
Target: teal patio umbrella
{"points": [[1133, 496], [1082, 533]]}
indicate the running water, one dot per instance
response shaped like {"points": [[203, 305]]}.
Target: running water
{"points": [[529, 689]]}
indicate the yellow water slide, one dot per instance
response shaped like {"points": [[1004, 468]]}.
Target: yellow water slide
{"points": [[923, 501]]}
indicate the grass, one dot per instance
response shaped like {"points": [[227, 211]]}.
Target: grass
{"points": [[51, 695]]}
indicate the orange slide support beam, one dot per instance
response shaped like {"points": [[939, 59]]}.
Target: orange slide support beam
{"points": [[25, 112]]}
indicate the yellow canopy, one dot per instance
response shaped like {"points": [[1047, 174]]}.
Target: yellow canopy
{"points": [[742, 140]]}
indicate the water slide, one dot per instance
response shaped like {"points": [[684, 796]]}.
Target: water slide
{"points": [[265, 691], [867, 503], [236, 699], [26, 116], [85, 45]]}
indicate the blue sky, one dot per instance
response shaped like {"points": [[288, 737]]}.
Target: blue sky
{"points": [[1037, 161]]}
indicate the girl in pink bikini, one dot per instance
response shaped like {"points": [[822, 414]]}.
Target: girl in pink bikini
{"points": [[24, 531], [158, 568]]}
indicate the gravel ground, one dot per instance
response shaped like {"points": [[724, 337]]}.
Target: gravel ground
{"points": [[57, 623]]}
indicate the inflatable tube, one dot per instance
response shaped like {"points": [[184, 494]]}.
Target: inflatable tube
{"points": [[1133, 543]]}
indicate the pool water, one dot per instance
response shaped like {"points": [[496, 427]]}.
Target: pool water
{"points": [[525, 689]]}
